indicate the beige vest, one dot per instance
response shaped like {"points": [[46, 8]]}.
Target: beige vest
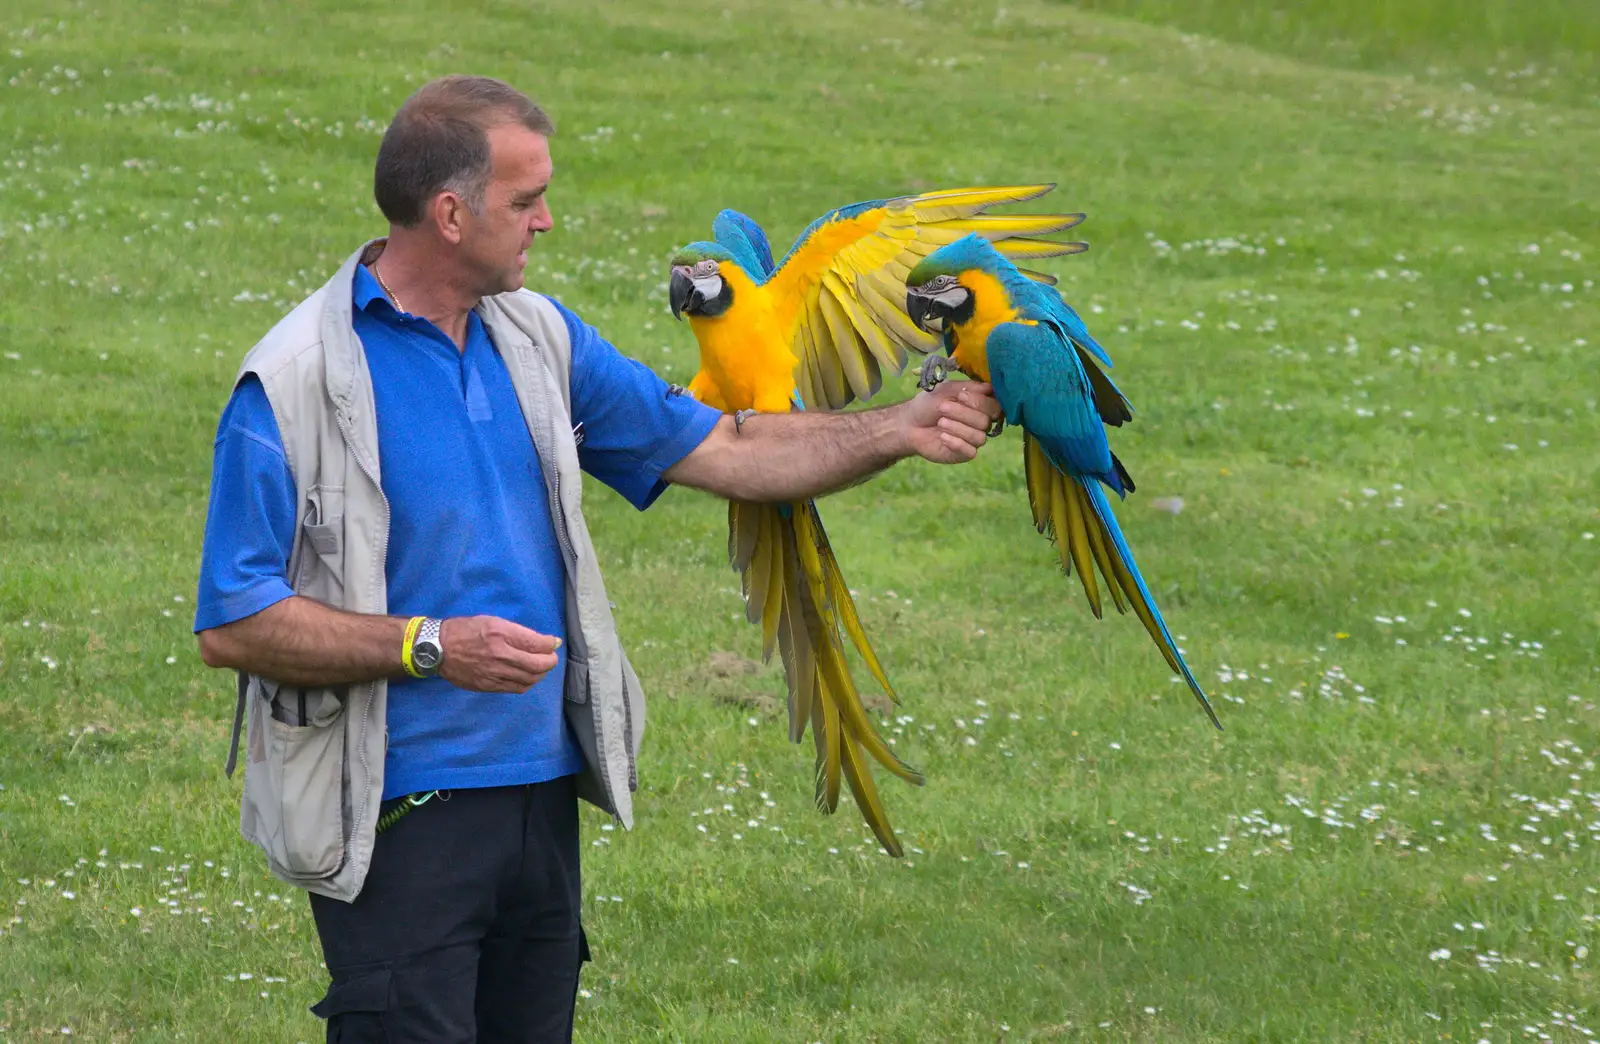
{"points": [[314, 765]]}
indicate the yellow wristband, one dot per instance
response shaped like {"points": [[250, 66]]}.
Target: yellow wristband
{"points": [[412, 626]]}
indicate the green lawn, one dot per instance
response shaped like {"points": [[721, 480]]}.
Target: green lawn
{"points": [[1353, 303]]}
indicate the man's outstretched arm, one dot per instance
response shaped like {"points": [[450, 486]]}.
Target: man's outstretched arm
{"points": [[790, 456]]}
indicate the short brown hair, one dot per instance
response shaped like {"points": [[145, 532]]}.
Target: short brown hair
{"points": [[439, 142]]}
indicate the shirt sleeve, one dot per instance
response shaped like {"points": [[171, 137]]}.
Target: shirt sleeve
{"points": [[244, 566], [634, 426]]}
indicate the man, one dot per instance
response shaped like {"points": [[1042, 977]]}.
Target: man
{"points": [[396, 564]]}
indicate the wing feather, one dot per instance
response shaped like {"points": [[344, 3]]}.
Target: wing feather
{"points": [[840, 292], [996, 226], [860, 368], [1033, 249]]}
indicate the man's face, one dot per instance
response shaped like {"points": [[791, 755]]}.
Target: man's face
{"points": [[495, 244]]}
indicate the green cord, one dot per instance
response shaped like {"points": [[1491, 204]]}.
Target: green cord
{"points": [[399, 812]]}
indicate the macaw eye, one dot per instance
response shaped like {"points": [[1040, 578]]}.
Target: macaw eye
{"points": [[705, 268]]}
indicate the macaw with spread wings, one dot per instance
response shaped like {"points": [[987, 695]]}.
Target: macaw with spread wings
{"points": [[817, 331]]}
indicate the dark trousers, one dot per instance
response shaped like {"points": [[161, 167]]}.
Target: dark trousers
{"points": [[466, 931]]}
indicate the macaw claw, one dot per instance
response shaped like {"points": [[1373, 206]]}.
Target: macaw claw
{"points": [[935, 369], [740, 417], [996, 428]]}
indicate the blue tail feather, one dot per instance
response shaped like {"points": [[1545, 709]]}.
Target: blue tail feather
{"points": [[1102, 510]]}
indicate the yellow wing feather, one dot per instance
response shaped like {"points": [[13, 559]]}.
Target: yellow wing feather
{"points": [[840, 293]]}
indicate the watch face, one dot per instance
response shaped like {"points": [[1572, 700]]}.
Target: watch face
{"points": [[425, 655]]}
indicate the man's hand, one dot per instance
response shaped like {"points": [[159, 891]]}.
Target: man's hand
{"points": [[948, 424], [488, 654]]}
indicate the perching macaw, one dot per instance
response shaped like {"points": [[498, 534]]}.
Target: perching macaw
{"points": [[818, 330], [999, 326]]}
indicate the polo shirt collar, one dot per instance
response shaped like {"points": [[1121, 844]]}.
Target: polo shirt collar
{"points": [[365, 290]]}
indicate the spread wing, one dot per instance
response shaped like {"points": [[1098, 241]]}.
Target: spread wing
{"points": [[841, 289]]}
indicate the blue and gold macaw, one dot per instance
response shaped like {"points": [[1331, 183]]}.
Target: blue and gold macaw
{"points": [[818, 330], [999, 326]]}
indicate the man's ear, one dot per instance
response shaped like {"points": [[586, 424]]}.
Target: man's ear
{"points": [[448, 211]]}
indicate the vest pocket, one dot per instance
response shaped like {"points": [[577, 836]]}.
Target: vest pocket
{"points": [[323, 535], [576, 685], [296, 775], [633, 719]]}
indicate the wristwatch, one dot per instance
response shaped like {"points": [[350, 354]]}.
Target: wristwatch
{"points": [[426, 649]]}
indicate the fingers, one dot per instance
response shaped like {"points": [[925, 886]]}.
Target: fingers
{"points": [[488, 654], [961, 412], [520, 656], [957, 450], [529, 640], [502, 676], [973, 436], [979, 395]]}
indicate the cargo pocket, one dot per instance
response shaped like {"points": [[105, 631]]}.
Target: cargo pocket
{"points": [[300, 796], [355, 1008]]}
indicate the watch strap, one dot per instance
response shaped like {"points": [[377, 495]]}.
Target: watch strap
{"points": [[412, 627]]}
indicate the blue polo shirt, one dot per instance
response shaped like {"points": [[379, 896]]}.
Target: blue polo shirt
{"points": [[470, 527]]}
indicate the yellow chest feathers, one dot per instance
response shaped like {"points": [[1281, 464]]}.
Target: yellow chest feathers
{"points": [[743, 351], [991, 306]]}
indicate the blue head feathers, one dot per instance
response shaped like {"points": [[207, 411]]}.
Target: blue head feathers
{"points": [[701, 251], [969, 252], [744, 239]]}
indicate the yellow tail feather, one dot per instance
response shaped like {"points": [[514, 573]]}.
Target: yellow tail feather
{"points": [[866, 792], [1097, 544], [825, 730], [758, 574], [1036, 469], [845, 605], [799, 663], [1063, 511], [796, 591], [1077, 541], [744, 525]]}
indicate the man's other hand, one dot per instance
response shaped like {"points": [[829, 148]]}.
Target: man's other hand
{"points": [[948, 424], [488, 654]]}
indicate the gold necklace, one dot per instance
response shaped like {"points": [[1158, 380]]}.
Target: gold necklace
{"points": [[393, 297]]}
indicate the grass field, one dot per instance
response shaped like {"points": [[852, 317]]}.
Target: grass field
{"points": [[1351, 296]]}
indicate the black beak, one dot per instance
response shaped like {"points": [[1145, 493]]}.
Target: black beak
{"points": [[917, 307], [680, 292]]}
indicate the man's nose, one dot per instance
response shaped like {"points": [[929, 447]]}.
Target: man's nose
{"points": [[541, 220]]}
